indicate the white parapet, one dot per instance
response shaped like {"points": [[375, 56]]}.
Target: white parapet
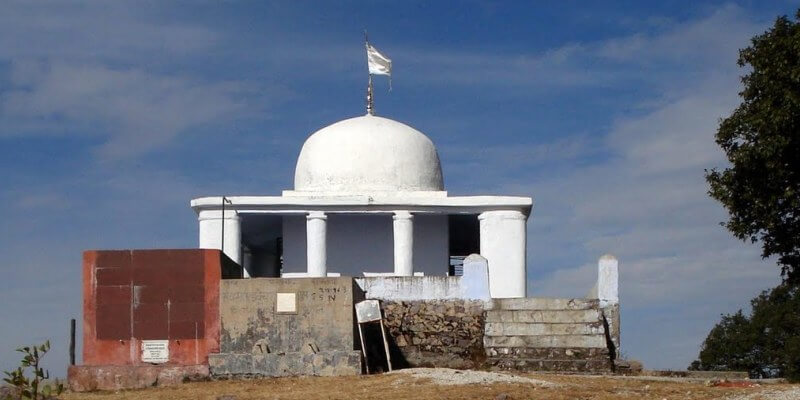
{"points": [[305, 275], [608, 280], [502, 243], [217, 231], [473, 285], [316, 244], [403, 223]]}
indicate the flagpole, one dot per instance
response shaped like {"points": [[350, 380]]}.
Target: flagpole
{"points": [[370, 101], [370, 104]]}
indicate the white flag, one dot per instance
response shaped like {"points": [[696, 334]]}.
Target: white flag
{"points": [[379, 64]]}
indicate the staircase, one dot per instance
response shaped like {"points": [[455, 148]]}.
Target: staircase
{"points": [[547, 334]]}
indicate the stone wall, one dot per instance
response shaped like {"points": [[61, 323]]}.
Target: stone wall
{"points": [[440, 333]]}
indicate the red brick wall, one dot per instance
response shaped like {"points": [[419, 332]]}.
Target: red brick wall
{"points": [[135, 295]]}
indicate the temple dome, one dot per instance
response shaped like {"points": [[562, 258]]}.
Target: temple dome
{"points": [[368, 154]]}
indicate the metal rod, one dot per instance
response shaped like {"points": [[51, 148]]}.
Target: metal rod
{"points": [[222, 229], [386, 346], [363, 348], [72, 341], [370, 101]]}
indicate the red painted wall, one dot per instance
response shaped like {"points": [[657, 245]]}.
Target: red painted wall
{"points": [[135, 295]]}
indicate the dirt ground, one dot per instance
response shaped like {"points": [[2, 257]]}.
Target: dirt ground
{"points": [[424, 386]]}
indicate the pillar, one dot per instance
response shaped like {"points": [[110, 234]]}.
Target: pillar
{"points": [[403, 223], [503, 244], [608, 280], [316, 244], [213, 225]]}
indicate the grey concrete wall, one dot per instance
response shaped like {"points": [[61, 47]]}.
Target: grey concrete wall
{"points": [[324, 317], [258, 340], [358, 243]]}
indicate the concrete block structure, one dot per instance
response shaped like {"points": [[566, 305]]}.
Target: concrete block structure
{"points": [[133, 297], [286, 327]]}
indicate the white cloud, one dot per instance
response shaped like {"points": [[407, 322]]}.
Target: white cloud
{"points": [[136, 110]]}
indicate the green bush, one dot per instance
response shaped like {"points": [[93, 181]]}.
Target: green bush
{"points": [[34, 387]]}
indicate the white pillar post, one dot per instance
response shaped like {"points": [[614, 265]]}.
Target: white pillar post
{"points": [[316, 244], [211, 223], [503, 244], [403, 223], [608, 280]]}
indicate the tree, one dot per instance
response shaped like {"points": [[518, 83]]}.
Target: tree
{"points": [[761, 189], [766, 343]]}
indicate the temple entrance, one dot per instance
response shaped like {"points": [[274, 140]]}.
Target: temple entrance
{"points": [[464, 239]]}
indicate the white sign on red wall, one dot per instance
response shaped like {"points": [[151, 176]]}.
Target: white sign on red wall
{"points": [[155, 351]]}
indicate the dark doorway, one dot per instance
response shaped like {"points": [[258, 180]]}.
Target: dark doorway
{"points": [[464, 234]]}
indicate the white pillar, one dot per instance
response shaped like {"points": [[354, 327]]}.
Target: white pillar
{"points": [[608, 280], [503, 243], [316, 244], [403, 243], [212, 223]]}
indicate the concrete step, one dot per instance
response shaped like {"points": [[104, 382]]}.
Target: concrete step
{"points": [[527, 364], [526, 329], [542, 303], [544, 316], [578, 341]]}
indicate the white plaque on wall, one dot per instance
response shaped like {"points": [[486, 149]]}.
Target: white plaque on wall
{"points": [[286, 303], [155, 351]]}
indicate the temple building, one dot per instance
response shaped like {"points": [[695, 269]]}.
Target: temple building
{"points": [[369, 200], [366, 265]]}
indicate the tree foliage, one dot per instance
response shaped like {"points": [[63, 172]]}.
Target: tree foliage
{"points": [[761, 188], [766, 343]]}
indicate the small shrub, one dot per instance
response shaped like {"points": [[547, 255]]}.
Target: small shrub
{"points": [[34, 387]]}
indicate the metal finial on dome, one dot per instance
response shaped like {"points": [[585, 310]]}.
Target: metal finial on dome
{"points": [[370, 104], [378, 64]]}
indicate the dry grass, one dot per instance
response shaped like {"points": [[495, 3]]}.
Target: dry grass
{"points": [[399, 386]]}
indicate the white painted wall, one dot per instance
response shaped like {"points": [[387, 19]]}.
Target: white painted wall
{"points": [[358, 243], [473, 285]]}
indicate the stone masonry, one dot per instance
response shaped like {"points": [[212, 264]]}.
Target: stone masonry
{"points": [[440, 333], [566, 335]]}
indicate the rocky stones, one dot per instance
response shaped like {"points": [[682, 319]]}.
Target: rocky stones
{"points": [[444, 333]]}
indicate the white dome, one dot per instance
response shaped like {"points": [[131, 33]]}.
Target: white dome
{"points": [[368, 154]]}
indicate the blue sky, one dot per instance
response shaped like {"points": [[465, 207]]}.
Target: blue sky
{"points": [[113, 115]]}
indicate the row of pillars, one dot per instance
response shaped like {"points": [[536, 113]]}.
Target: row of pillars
{"points": [[502, 242], [317, 250]]}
